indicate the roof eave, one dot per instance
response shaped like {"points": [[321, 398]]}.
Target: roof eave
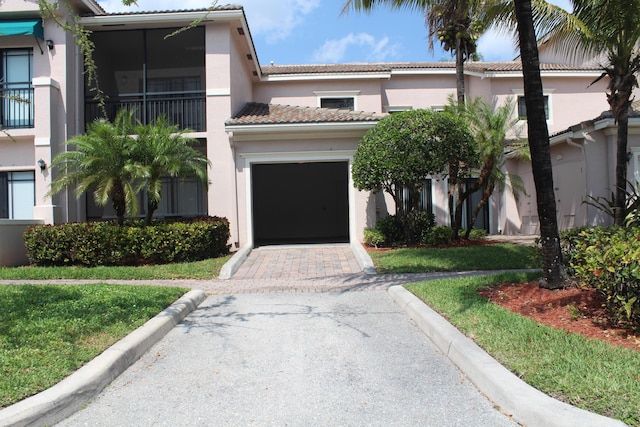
{"points": [[324, 76], [162, 17], [297, 127]]}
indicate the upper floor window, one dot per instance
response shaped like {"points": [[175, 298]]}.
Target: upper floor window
{"points": [[522, 107], [342, 99], [339, 103], [17, 90]]}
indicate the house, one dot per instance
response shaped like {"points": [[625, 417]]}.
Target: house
{"points": [[281, 138]]}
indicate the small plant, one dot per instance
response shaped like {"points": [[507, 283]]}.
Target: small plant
{"points": [[574, 312], [437, 236], [374, 237], [607, 205], [478, 234]]}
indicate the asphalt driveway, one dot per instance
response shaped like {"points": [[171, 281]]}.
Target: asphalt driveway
{"points": [[292, 359]]}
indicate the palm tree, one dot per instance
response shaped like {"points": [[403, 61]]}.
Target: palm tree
{"points": [[538, 134], [608, 29], [451, 22], [489, 128], [163, 150], [100, 162]]}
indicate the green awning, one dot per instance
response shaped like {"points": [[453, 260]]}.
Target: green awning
{"points": [[22, 27]]}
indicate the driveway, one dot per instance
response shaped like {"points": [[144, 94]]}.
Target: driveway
{"points": [[293, 359]]}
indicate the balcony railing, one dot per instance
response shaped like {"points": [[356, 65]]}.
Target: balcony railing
{"points": [[16, 105], [184, 109]]}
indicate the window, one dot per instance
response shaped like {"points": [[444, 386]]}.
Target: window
{"points": [[339, 103], [392, 109], [340, 99], [425, 202], [17, 194], [522, 107], [17, 91], [179, 198]]}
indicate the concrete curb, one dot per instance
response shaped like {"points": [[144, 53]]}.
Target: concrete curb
{"points": [[230, 267], [69, 395], [362, 257], [525, 404]]}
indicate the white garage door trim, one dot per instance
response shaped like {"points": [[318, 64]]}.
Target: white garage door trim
{"points": [[295, 157]]}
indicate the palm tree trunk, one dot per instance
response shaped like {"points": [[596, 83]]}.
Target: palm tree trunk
{"points": [[118, 201], [459, 73], [621, 166], [539, 147], [152, 206]]}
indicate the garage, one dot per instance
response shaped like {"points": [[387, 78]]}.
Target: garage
{"points": [[300, 202]]}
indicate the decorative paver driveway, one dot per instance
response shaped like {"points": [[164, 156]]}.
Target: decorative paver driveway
{"points": [[299, 261]]}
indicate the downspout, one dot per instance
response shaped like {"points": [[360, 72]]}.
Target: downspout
{"points": [[581, 147], [235, 190]]}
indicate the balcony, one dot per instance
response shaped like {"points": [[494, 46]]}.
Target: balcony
{"points": [[16, 108], [184, 109]]}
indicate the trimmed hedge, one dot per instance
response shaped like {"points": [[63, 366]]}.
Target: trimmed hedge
{"points": [[106, 243]]}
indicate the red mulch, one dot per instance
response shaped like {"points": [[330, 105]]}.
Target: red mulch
{"points": [[550, 307]]}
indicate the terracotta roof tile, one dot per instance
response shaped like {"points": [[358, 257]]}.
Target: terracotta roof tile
{"points": [[254, 113], [478, 67]]}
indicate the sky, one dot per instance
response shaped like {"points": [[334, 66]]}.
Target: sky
{"points": [[316, 32]]}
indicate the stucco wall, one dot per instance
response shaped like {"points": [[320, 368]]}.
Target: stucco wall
{"points": [[12, 250]]}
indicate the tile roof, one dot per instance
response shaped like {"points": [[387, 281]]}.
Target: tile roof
{"points": [[478, 67], [634, 112], [150, 12], [254, 113]]}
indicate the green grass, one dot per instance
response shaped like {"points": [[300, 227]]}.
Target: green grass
{"points": [[206, 269], [483, 257], [590, 374], [48, 332]]}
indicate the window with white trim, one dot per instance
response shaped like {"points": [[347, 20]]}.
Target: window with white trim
{"points": [[17, 194], [341, 99], [339, 103], [522, 107]]}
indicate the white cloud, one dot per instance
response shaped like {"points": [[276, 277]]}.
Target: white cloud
{"points": [[333, 51], [495, 46], [273, 19]]}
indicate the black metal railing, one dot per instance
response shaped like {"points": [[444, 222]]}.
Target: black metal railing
{"points": [[184, 109], [16, 106]]}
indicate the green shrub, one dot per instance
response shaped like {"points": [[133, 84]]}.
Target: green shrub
{"points": [[374, 237], [477, 234], [392, 229], [419, 223], [106, 243], [396, 230], [608, 259], [436, 236]]}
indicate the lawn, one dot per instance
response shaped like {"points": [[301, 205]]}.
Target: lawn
{"points": [[481, 257], [48, 332], [206, 270], [590, 374]]}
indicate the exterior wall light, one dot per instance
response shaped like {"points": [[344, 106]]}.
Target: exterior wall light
{"points": [[50, 44], [42, 164]]}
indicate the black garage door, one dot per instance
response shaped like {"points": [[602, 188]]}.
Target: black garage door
{"points": [[300, 202]]}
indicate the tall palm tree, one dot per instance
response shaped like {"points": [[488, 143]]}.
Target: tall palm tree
{"points": [[451, 22], [164, 150], [99, 160], [607, 29], [538, 134]]}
